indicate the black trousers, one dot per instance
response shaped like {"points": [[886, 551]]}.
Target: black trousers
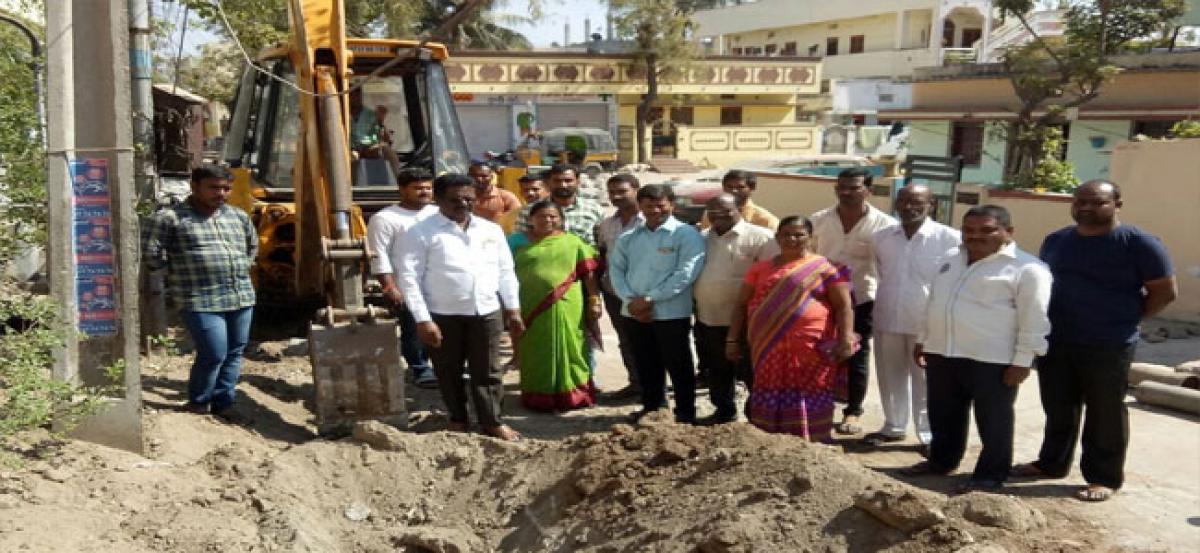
{"points": [[723, 374], [954, 384], [1073, 378], [475, 341], [661, 347], [859, 368], [612, 304]]}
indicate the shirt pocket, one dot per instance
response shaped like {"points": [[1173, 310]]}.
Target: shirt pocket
{"points": [[858, 249], [663, 258], [992, 292]]}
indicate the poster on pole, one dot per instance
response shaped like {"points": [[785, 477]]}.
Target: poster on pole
{"points": [[94, 252]]}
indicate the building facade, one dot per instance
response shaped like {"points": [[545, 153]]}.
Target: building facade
{"points": [[719, 110], [962, 111], [869, 48]]}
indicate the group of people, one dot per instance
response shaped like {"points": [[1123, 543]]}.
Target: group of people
{"points": [[788, 306]]}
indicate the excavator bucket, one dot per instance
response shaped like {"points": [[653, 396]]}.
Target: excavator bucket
{"points": [[358, 373]]}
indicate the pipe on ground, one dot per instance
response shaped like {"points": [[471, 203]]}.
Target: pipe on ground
{"points": [[1166, 395], [1142, 372]]}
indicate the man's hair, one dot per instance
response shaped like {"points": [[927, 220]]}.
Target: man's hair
{"points": [[531, 177], [539, 205], [410, 175], [444, 183], [560, 168], [738, 174], [797, 220], [210, 171], [656, 192], [1116, 190], [856, 172], [624, 178], [480, 165], [999, 213]]}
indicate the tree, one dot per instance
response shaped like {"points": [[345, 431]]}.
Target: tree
{"points": [[1054, 74], [662, 47], [261, 23], [23, 178]]}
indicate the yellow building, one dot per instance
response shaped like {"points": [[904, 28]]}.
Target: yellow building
{"points": [[724, 110]]}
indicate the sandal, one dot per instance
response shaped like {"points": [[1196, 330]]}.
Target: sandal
{"points": [[847, 427], [1095, 493], [1027, 470], [924, 468], [879, 438]]}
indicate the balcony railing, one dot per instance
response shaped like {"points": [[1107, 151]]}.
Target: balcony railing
{"points": [[958, 56]]}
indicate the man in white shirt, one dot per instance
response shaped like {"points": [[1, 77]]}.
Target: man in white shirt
{"points": [[385, 233], [842, 234], [731, 246], [906, 255], [456, 274], [986, 321]]}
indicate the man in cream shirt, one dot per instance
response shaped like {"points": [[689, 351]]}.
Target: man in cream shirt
{"points": [[985, 322], [731, 246], [842, 234]]}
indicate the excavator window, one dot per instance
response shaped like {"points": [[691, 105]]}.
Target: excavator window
{"points": [[279, 153]]}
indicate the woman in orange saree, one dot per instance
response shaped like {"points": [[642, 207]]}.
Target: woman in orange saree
{"points": [[796, 314]]}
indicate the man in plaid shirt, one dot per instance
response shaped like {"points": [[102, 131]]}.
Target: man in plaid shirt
{"points": [[207, 248], [580, 214]]}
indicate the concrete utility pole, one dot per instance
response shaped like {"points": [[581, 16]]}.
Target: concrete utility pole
{"points": [[91, 186], [151, 284]]}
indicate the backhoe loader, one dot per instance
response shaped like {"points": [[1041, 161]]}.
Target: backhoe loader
{"points": [[308, 176]]}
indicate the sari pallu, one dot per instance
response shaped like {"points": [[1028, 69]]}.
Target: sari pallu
{"points": [[553, 363], [789, 325]]}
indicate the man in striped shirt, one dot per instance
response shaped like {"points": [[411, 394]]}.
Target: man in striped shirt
{"points": [[207, 248]]}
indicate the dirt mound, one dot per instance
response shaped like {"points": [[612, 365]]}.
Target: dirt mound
{"points": [[658, 486]]}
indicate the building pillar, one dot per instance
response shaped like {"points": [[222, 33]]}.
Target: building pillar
{"points": [[985, 41]]}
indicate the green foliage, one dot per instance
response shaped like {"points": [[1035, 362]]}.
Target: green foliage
{"points": [[258, 24], [29, 396], [1186, 129], [1053, 74], [661, 34], [1050, 172], [23, 184]]}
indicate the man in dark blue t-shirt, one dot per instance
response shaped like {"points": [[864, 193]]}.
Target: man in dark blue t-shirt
{"points": [[1107, 278]]}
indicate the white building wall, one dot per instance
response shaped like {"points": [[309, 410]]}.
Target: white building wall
{"points": [[859, 96]]}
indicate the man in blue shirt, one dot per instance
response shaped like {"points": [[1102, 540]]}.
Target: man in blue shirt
{"points": [[1107, 277], [652, 270]]}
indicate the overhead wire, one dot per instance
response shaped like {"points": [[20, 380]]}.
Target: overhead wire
{"points": [[262, 70]]}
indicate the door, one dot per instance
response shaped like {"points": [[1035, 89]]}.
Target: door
{"points": [[485, 128], [553, 116]]}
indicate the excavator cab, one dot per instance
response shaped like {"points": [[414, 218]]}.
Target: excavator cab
{"points": [[408, 107]]}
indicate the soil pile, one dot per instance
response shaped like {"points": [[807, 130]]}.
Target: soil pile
{"points": [[657, 486]]}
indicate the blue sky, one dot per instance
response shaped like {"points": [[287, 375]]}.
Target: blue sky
{"points": [[557, 12], [546, 30]]}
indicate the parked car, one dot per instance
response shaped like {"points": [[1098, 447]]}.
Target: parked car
{"points": [[692, 195]]}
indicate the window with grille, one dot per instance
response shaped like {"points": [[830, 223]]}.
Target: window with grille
{"points": [[857, 43], [966, 140]]}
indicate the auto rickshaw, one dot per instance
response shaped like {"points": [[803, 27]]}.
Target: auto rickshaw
{"points": [[591, 149]]}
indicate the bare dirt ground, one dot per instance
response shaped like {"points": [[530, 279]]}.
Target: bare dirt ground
{"points": [[584, 480]]}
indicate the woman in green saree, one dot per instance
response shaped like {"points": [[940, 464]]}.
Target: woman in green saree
{"points": [[556, 271]]}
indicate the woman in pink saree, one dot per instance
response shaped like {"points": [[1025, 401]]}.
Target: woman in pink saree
{"points": [[796, 314]]}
